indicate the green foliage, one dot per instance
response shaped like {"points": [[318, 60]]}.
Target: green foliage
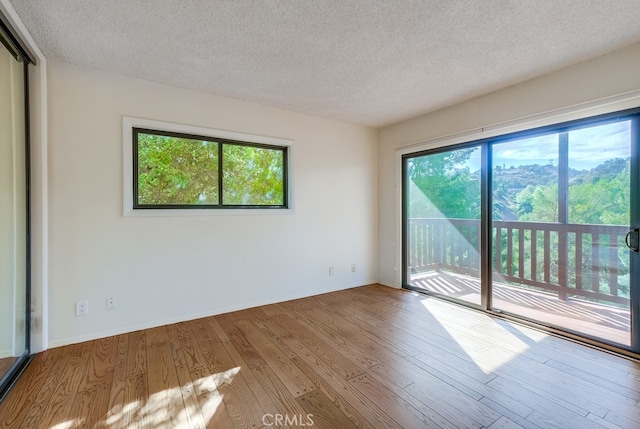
{"points": [[601, 199], [597, 196], [538, 203], [445, 186], [182, 171], [252, 176], [508, 183], [176, 171]]}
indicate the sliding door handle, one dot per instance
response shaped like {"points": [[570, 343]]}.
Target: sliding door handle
{"points": [[632, 238]]}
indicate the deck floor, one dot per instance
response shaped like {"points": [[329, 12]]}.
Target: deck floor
{"points": [[602, 321]]}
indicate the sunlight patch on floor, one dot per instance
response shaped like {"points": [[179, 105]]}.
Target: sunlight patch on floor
{"points": [[525, 331], [225, 377], [197, 402], [67, 425], [476, 341]]}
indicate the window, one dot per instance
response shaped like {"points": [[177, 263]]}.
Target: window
{"points": [[180, 167]]}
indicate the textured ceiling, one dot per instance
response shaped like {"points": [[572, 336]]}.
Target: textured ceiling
{"points": [[372, 62]]}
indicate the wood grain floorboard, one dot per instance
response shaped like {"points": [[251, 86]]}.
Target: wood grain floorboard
{"points": [[283, 400], [192, 413], [193, 358], [116, 406], [368, 357], [139, 406], [101, 363], [58, 409], [163, 387], [137, 353], [357, 407], [321, 412], [33, 390], [294, 380], [212, 408], [5, 364], [397, 407]]}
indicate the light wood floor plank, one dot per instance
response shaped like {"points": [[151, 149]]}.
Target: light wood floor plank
{"points": [[165, 397], [356, 406], [138, 404], [212, 407], [338, 342], [245, 398], [101, 363], [367, 357], [116, 407], [337, 361], [58, 409], [293, 379], [192, 415], [137, 353], [214, 354], [23, 408], [396, 407], [193, 357], [283, 400], [321, 412], [237, 338]]}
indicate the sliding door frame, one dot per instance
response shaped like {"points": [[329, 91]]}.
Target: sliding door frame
{"points": [[484, 300], [634, 263], [486, 239], [8, 38]]}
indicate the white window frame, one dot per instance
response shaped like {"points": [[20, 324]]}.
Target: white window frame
{"points": [[129, 123]]}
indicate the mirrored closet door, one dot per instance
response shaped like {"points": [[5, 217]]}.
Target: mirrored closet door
{"points": [[14, 212]]}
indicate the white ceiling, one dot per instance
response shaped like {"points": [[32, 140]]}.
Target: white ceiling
{"points": [[371, 62]]}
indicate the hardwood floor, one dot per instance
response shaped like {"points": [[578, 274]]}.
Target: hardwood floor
{"points": [[5, 364], [369, 357]]}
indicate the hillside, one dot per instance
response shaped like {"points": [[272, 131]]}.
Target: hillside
{"points": [[510, 182]]}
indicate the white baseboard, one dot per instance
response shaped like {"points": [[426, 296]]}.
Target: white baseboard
{"points": [[169, 321]]}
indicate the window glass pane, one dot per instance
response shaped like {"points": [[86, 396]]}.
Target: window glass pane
{"points": [[443, 225], [525, 179], [598, 178], [252, 176], [177, 171]]}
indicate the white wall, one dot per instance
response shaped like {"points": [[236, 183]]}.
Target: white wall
{"points": [[606, 76], [168, 269]]}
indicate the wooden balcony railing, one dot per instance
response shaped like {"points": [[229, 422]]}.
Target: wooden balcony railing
{"points": [[589, 261]]}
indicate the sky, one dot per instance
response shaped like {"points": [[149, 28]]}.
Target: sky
{"points": [[588, 148]]}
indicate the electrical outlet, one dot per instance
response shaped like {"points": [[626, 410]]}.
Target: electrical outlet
{"points": [[112, 304], [82, 308], [330, 271], [353, 268]]}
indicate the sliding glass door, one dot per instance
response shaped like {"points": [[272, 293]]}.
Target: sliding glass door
{"points": [[14, 212], [561, 212], [540, 224]]}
